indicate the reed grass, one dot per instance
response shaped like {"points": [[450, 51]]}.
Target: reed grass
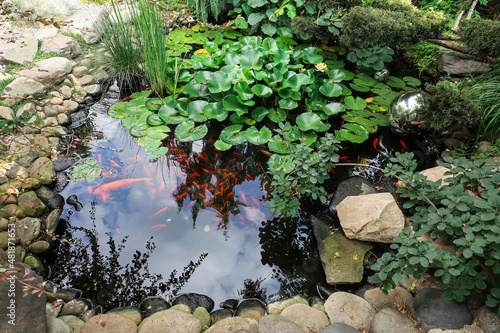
{"points": [[487, 91]]}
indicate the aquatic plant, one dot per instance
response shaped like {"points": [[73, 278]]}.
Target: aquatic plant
{"points": [[464, 211]]}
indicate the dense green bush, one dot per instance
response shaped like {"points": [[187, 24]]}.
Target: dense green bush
{"points": [[463, 210], [398, 30], [481, 37], [450, 108]]}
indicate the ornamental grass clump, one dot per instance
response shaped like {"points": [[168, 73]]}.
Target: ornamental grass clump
{"points": [[463, 210], [487, 91]]}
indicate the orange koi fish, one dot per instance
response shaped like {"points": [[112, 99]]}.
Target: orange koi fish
{"points": [[103, 190], [115, 165], [164, 209], [126, 99], [256, 202], [99, 158], [181, 196], [403, 144], [343, 157], [157, 226], [244, 199], [375, 144]]}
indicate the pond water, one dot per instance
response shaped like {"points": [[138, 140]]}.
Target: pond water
{"points": [[195, 220]]}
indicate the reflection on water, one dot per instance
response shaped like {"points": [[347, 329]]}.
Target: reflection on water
{"points": [[154, 216]]}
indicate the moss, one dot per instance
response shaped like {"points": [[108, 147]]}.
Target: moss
{"points": [[449, 108], [396, 29], [481, 37]]}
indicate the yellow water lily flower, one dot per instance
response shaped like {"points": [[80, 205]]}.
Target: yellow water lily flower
{"points": [[203, 51], [369, 100], [321, 67]]}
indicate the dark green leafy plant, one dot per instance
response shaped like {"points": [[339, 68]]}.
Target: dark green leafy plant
{"points": [[449, 108], [465, 211], [302, 171], [480, 37], [370, 56], [425, 57], [395, 29]]}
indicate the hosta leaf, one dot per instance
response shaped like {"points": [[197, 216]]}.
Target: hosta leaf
{"points": [[258, 137], [187, 131], [308, 121]]}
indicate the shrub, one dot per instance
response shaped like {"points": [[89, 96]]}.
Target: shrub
{"points": [[465, 211], [449, 108], [425, 57], [481, 37], [398, 30]]}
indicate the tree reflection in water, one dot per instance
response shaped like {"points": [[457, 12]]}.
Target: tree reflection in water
{"points": [[102, 278]]}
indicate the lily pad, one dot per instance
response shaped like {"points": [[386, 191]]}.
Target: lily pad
{"points": [[219, 82], [262, 90], [231, 103], [158, 132], [308, 121], [169, 114], [139, 129], [333, 108], [187, 131], [215, 111], [355, 104], [257, 137], [395, 82], [252, 59], [359, 88], [116, 110], [288, 103], [156, 152], [412, 81], [243, 90], [154, 103], [259, 113], [141, 94], [330, 89], [222, 146], [155, 120], [196, 90], [195, 110], [233, 135], [354, 133], [277, 115]]}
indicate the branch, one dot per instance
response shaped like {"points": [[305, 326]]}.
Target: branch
{"points": [[455, 47], [457, 21], [471, 10], [449, 37]]}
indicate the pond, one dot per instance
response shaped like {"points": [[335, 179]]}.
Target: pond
{"points": [[195, 220]]}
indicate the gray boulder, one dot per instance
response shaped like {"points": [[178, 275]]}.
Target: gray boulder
{"points": [[488, 320], [24, 88], [43, 170], [389, 320], [109, 323], [88, 22], [279, 324], [339, 328], [63, 45], [342, 258], [349, 309], [460, 64], [23, 52], [351, 187], [230, 325], [28, 312], [170, 320], [397, 298], [372, 217], [28, 229], [432, 311]]}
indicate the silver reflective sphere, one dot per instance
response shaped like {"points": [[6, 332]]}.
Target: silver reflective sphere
{"points": [[382, 75], [404, 112]]}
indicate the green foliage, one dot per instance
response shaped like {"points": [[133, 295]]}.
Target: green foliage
{"points": [[395, 29], [205, 8], [465, 211], [449, 7], [487, 93], [87, 170], [449, 108], [370, 57], [480, 37], [5, 82], [302, 171], [425, 57]]}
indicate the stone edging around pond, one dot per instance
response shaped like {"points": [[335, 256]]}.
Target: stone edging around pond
{"points": [[36, 170]]}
